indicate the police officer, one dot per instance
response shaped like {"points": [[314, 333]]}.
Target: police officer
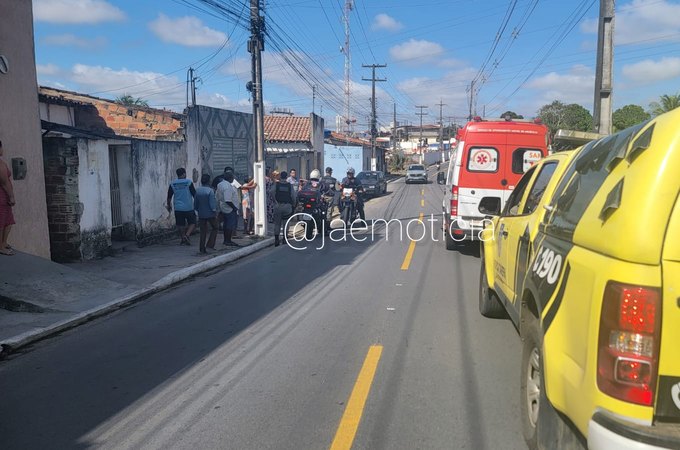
{"points": [[330, 181], [284, 196], [351, 182]]}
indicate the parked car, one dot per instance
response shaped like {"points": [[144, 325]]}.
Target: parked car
{"points": [[586, 263], [416, 173], [486, 165], [373, 182]]}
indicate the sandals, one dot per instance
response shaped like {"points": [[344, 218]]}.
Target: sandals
{"points": [[7, 252]]}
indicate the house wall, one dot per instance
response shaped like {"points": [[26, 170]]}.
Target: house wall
{"points": [[61, 114], [63, 199], [20, 127], [318, 142], [154, 164], [210, 133]]}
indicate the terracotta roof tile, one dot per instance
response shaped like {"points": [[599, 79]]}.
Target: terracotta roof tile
{"points": [[287, 129]]}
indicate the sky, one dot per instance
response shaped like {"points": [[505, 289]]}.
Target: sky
{"points": [[521, 54]]}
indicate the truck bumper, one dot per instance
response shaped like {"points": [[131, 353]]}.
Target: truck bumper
{"points": [[608, 432]]}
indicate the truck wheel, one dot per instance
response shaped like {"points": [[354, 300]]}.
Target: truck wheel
{"points": [[489, 305], [541, 425], [450, 243]]}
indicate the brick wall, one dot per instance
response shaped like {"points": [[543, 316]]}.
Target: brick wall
{"points": [[63, 205], [101, 115]]}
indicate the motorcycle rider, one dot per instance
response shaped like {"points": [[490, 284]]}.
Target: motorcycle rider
{"points": [[351, 182], [285, 197], [331, 183]]}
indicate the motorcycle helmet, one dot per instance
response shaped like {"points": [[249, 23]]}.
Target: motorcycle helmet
{"points": [[315, 175], [350, 170]]}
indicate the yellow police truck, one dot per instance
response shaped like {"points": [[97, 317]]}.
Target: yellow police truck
{"points": [[585, 261]]}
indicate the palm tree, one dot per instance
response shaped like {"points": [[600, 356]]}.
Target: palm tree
{"points": [[666, 103], [129, 100]]}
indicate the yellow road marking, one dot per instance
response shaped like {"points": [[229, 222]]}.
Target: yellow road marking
{"points": [[422, 192], [422, 202], [344, 437], [409, 253]]}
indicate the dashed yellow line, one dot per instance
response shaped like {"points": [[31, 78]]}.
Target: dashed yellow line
{"points": [[422, 192], [344, 437], [422, 202], [409, 253]]}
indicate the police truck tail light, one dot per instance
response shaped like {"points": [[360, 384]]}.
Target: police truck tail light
{"points": [[454, 201], [628, 350]]}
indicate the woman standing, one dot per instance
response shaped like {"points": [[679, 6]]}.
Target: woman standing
{"points": [[6, 203], [247, 188], [270, 179]]}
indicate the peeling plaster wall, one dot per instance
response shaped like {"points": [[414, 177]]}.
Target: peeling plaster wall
{"points": [[154, 164]]}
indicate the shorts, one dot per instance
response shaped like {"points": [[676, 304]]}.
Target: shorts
{"points": [[229, 220], [184, 218]]}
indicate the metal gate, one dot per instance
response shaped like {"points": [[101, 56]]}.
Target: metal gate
{"points": [[116, 209], [231, 152]]}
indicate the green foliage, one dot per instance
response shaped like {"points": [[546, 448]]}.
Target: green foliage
{"points": [[628, 116], [557, 116], [666, 103], [512, 114], [129, 100], [397, 162]]}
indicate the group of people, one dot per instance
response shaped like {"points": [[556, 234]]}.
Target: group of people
{"points": [[215, 200], [218, 200]]}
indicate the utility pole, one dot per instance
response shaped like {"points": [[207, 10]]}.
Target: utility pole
{"points": [[374, 128], [314, 99], [472, 98], [394, 132], [602, 110], [255, 47], [191, 86], [441, 128], [420, 141], [349, 5]]}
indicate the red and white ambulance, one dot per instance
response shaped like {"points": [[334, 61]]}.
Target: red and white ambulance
{"points": [[487, 163]]}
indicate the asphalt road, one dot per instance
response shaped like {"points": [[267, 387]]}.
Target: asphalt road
{"points": [[377, 344]]}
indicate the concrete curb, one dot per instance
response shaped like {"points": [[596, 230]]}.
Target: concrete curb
{"points": [[395, 179], [11, 344]]}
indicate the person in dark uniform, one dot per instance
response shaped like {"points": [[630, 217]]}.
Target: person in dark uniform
{"points": [[284, 197], [331, 185], [351, 182]]}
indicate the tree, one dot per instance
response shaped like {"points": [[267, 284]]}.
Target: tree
{"points": [[557, 116], [129, 100], [628, 116], [512, 114], [666, 103]]}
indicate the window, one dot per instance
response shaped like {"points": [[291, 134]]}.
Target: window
{"points": [[512, 205], [483, 159], [524, 158], [537, 190]]}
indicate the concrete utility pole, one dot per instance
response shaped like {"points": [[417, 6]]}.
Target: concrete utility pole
{"points": [[394, 132], [472, 98], [349, 6], [255, 47], [420, 141], [441, 128], [191, 86], [374, 128], [602, 110]]}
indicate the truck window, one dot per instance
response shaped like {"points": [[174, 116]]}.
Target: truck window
{"points": [[537, 190], [482, 159], [524, 158], [512, 205]]}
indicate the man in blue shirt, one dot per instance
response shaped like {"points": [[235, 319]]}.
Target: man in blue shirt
{"points": [[205, 204], [181, 193]]}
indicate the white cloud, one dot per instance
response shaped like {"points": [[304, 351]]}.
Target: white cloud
{"points": [[573, 87], [385, 22], [450, 89], [642, 21], [188, 31], [416, 51], [649, 71], [71, 40], [47, 69], [76, 11]]}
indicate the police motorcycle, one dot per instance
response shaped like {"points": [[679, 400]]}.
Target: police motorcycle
{"points": [[348, 206], [313, 207]]}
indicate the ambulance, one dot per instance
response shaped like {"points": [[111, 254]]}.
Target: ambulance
{"points": [[487, 163]]}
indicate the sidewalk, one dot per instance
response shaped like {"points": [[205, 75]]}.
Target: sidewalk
{"points": [[39, 298]]}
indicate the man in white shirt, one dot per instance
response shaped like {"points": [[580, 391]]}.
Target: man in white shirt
{"points": [[227, 200], [236, 185]]}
